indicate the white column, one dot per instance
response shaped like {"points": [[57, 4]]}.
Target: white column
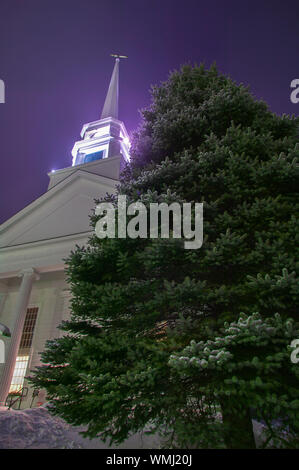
{"points": [[28, 276], [3, 296]]}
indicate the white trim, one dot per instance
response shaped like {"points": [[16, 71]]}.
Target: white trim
{"points": [[76, 174], [46, 241], [84, 166]]}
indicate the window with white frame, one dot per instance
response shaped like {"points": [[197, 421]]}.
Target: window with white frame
{"points": [[24, 350], [19, 374], [28, 329]]}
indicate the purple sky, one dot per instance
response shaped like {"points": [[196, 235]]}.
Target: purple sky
{"points": [[54, 60]]}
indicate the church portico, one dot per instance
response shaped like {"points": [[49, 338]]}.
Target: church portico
{"points": [[33, 301], [35, 305], [27, 276]]}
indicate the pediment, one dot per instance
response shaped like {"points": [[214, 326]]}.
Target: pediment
{"points": [[62, 211]]}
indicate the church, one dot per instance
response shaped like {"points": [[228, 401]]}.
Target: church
{"points": [[34, 294]]}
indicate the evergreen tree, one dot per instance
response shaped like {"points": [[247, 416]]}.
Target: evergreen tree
{"points": [[138, 302], [249, 364]]}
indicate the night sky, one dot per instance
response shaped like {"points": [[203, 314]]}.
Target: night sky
{"points": [[56, 65]]}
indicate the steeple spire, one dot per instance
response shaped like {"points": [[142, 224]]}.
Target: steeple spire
{"points": [[110, 108], [106, 137]]}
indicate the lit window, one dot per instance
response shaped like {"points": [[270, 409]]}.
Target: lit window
{"points": [[19, 374], [90, 157], [28, 329], [24, 350]]}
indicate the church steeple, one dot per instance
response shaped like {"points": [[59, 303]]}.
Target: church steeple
{"points": [[106, 137], [110, 108]]}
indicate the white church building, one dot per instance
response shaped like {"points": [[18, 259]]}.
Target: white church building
{"points": [[34, 295]]}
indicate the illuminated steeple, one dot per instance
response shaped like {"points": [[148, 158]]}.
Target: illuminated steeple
{"points": [[110, 108], [106, 137]]}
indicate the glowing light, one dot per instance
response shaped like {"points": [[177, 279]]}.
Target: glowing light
{"points": [[127, 141], [53, 171], [19, 373]]}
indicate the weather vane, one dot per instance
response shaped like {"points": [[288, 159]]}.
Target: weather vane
{"points": [[117, 56]]}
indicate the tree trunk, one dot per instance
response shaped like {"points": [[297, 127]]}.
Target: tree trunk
{"points": [[238, 432]]}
